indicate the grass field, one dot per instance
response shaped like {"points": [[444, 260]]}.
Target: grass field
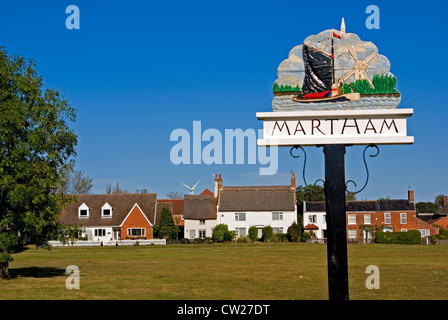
{"points": [[225, 271]]}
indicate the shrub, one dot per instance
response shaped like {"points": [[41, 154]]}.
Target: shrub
{"points": [[294, 232], [229, 236], [219, 232], [409, 237], [243, 239], [279, 237], [253, 233], [267, 233], [304, 237], [185, 241]]}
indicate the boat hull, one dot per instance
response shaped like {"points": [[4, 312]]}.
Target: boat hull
{"points": [[339, 98]]}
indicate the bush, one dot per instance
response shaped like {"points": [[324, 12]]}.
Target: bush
{"points": [[267, 233], [219, 232], [185, 241], [243, 239], [409, 237], [253, 233], [279, 237], [229, 236], [304, 237], [294, 232]]}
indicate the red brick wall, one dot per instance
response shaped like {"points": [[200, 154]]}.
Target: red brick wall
{"points": [[377, 218], [136, 220]]}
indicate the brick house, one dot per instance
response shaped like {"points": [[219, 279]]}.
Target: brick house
{"points": [[110, 217], [440, 218], [363, 216]]}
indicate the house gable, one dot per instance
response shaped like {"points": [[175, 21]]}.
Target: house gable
{"points": [[136, 219]]}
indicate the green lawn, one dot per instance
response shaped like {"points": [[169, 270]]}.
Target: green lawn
{"points": [[225, 271]]}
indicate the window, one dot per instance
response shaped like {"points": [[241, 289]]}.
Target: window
{"points": [[387, 218], [367, 218], [192, 234], [352, 219], [277, 230], [403, 218], [404, 230], [136, 232], [106, 211], [100, 232], [312, 218], [202, 222], [277, 215], [240, 232], [240, 216], [352, 233], [83, 211], [201, 233], [424, 232]]}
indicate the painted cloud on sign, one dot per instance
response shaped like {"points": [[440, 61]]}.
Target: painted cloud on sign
{"points": [[291, 71]]}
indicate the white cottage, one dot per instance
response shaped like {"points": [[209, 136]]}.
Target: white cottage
{"points": [[240, 208]]}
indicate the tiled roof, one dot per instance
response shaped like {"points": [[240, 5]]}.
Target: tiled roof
{"points": [[365, 205], [121, 205]]}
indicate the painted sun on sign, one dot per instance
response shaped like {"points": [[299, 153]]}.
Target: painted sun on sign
{"points": [[335, 70]]}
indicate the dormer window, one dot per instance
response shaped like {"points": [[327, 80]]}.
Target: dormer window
{"points": [[83, 211], [106, 211]]}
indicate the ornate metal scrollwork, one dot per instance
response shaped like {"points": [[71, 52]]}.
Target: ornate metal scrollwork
{"points": [[304, 164], [367, 169]]}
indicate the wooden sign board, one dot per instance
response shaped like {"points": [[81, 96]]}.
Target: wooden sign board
{"points": [[348, 127]]}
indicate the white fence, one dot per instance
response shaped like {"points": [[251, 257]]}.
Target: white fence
{"points": [[91, 243]]}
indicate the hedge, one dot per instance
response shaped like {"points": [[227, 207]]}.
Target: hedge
{"points": [[409, 237]]}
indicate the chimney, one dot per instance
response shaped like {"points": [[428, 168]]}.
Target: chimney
{"points": [[218, 186], [445, 200], [293, 181], [411, 196]]}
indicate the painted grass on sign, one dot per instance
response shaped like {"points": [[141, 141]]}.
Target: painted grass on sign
{"points": [[225, 271]]}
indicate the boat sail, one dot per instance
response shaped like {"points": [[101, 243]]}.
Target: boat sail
{"points": [[319, 84]]}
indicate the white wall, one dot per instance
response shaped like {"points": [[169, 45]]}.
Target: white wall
{"points": [[196, 226], [259, 219], [320, 222], [90, 231]]}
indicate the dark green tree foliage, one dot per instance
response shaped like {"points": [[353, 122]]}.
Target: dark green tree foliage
{"points": [[219, 232], [426, 207], [410, 237], [267, 233], [316, 193], [167, 228], [35, 141], [294, 232], [253, 233]]}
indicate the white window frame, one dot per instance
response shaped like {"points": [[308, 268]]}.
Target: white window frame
{"points": [[142, 232], [367, 218], [352, 234], [201, 233], [277, 216], [239, 231], [277, 229], [405, 219], [238, 216], [81, 208], [106, 206], [351, 219], [312, 218], [387, 218], [425, 232], [201, 222], [192, 234]]}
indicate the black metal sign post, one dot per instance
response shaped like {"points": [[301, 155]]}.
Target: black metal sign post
{"points": [[336, 222]]}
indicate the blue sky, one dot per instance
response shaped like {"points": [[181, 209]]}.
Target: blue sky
{"points": [[137, 70]]}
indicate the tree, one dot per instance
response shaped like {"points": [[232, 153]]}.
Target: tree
{"points": [[167, 229], [294, 232], [35, 141], [174, 195], [426, 207], [74, 181], [317, 193], [115, 190], [438, 201], [219, 232]]}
